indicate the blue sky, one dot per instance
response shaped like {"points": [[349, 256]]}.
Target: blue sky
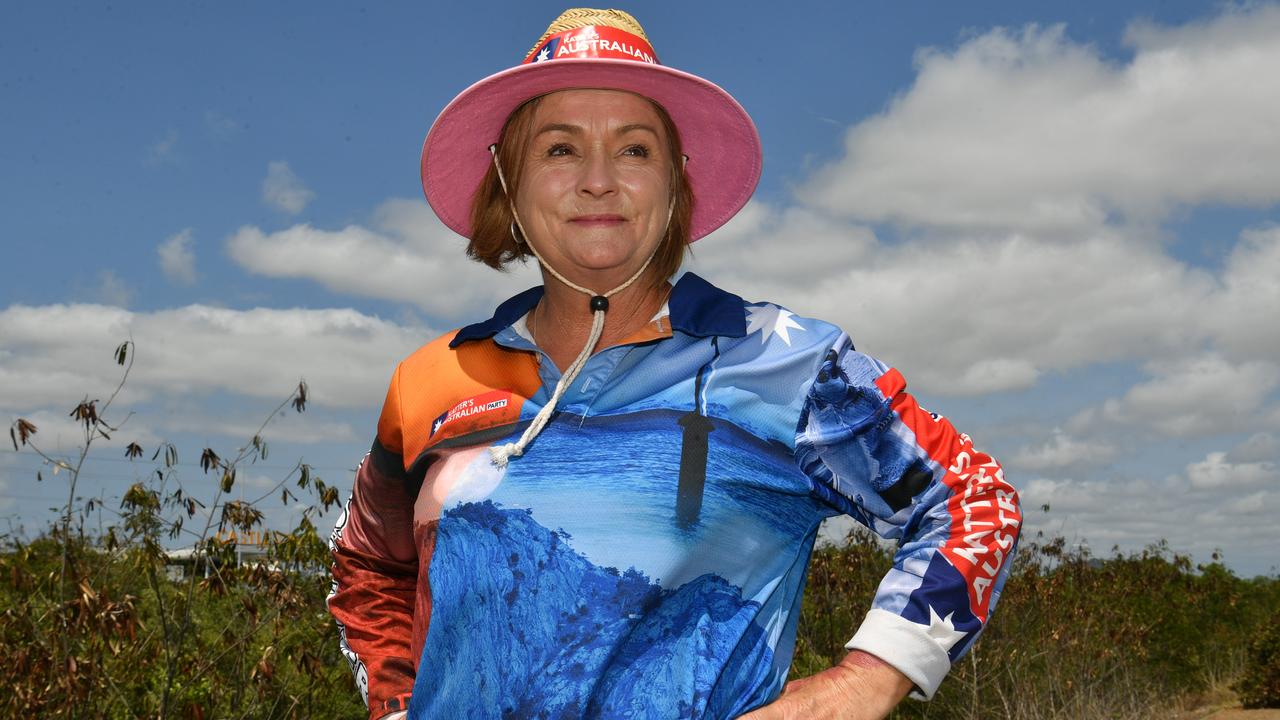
{"points": [[1059, 220]]}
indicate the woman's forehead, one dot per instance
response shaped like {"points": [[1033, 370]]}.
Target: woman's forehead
{"points": [[588, 108]]}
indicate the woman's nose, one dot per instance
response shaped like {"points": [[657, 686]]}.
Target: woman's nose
{"points": [[599, 176]]}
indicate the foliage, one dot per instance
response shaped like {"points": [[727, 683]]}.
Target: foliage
{"points": [[95, 627], [1260, 685], [1127, 636]]}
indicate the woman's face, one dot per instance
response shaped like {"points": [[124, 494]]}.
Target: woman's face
{"points": [[595, 191]]}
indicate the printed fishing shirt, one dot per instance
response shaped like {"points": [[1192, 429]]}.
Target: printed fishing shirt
{"points": [[646, 556]]}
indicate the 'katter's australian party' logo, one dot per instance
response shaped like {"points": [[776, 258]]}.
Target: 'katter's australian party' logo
{"points": [[472, 407]]}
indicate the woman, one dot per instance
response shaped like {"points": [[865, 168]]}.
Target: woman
{"points": [[601, 501]]}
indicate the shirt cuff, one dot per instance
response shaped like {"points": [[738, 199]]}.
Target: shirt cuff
{"points": [[907, 647]]}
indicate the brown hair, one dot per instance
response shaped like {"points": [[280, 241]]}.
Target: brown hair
{"points": [[491, 241]]}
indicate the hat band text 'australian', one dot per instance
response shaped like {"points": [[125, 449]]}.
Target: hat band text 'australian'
{"points": [[594, 41]]}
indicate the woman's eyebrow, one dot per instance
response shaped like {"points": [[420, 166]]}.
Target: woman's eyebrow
{"points": [[577, 129], [637, 126], [560, 127]]}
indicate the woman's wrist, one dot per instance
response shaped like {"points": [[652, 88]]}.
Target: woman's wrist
{"points": [[860, 686]]}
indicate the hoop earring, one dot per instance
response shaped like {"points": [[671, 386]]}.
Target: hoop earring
{"points": [[518, 240]]}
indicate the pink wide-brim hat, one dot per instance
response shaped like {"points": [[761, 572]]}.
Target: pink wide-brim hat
{"points": [[717, 135]]}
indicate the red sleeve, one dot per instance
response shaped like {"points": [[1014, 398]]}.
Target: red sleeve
{"points": [[375, 572]]}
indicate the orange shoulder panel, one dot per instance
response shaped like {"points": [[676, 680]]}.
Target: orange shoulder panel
{"points": [[440, 392]]}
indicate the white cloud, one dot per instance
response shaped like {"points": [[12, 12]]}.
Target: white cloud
{"points": [[1259, 446], [289, 428], [178, 258], [165, 150], [61, 436], [1215, 471], [408, 257], [1026, 129], [284, 190], [1133, 513], [113, 290], [1062, 451], [1136, 513], [55, 354], [771, 251], [219, 125], [1244, 317], [969, 316], [1195, 395]]}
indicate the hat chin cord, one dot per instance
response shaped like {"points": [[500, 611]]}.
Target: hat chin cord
{"points": [[502, 454]]}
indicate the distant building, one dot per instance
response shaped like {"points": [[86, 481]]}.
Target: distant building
{"points": [[251, 549]]}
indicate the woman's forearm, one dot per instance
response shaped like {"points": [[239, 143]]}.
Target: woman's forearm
{"points": [[860, 687]]}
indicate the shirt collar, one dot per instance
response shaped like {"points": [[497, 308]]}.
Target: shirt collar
{"points": [[698, 308]]}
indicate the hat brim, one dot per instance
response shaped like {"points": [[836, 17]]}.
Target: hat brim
{"points": [[717, 135]]}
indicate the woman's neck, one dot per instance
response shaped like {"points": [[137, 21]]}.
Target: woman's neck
{"points": [[561, 322]]}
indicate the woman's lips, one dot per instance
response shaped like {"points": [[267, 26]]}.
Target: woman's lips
{"points": [[598, 220]]}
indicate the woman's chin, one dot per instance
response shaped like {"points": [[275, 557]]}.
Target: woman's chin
{"points": [[597, 272]]}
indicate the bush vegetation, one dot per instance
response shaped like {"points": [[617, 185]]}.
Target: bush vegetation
{"points": [[95, 627], [1133, 635], [1260, 685]]}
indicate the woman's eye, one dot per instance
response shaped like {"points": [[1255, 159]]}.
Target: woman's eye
{"points": [[637, 151], [559, 150]]}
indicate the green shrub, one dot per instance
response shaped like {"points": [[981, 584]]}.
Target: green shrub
{"points": [[1127, 636], [1260, 686]]}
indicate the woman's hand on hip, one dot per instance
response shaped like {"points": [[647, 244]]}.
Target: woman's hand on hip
{"points": [[860, 686]]}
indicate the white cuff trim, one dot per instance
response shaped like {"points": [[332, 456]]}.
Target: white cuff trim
{"points": [[907, 647]]}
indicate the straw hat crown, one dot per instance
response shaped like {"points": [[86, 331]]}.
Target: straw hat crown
{"points": [[575, 18]]}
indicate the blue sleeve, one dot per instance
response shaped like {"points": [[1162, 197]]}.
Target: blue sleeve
{"points": [[871, 451]]}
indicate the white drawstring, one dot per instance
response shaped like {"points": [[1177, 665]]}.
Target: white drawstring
{"points": [[501, 454]]}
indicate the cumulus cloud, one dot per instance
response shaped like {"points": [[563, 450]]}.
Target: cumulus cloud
{"points": [[178, 258], [774, 251], [55, 353], [1028, 130], [113, 290], [408, 256], [1225, 500], [1061, 451], [967, 315], [219, 125], [304, 429], [1244, 318], [283, 190], [1032, 171], [1195, 395], [1215, 471], [1259, 447], [1133, 513], [165, 150]]}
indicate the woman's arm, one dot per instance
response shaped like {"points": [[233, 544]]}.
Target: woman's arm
{"points": [[860, 687], [909, 475], [375, 573]]}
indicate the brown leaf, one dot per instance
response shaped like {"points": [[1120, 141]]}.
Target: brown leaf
{"points": [[122, 352], [209, 460], [329, 497], [21, 431], [86, 412], [300, 397], [133, 450]]}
